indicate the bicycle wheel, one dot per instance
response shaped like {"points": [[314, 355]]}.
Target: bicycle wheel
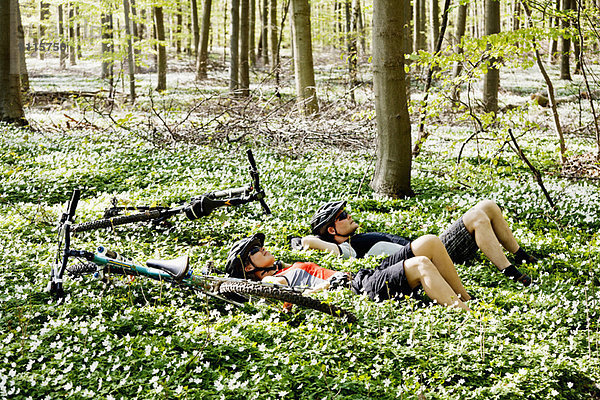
{"points": [[273, 292]]}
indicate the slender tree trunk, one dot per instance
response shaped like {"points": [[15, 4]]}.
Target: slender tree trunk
{"points": [[434, 20], [553, 47], [72, 38], [137, 35], [491, 80], [130, 54], [274, 42], [195, 27], [234, 83], [204, 33], [417, 34], [461, 24], [303, 59], [252, 37], [393, 166], [78, 34], [159, 23], [44, 15], [24, 75], [353, 48], [565, 45], [61, 35], [265, 32], [179, 27], [11, 105], [244, 66]]}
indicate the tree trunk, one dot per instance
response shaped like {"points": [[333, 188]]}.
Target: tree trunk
{"points": [[159, 23], [491, 81], [61, 35], [178, 27], [44, 15], [274, 42], [265, 32], [419, 34], [553, 47], [130, 55], [195, 28], [72, 38], [244, 66], [234, 47], [204, 32], [565, 45], [461, 24], [11, 105], [434, 19], [24, 75], [137, 34], [303, 60], [252, 37], [353, 48], [392, 169]]}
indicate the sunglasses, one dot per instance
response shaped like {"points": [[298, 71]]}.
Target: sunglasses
{"points": [[343, 215], [254, 250]]}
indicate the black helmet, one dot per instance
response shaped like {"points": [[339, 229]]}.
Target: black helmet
{"points": [[238, 255], [325, 216]]}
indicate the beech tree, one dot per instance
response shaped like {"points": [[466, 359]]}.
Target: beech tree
{"points": [[303, 59], [491, 80], [11, 106], [204, 32], [162, 50], [393, 166]]}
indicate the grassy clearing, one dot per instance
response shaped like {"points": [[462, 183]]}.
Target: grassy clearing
{"points": [[148, 340]]}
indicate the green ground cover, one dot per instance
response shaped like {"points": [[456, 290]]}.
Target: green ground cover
{"points": [[147, 340]]}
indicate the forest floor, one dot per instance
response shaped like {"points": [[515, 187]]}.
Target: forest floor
{"points": [[144, 339]]}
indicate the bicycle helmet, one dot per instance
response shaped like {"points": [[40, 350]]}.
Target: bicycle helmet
{"points": [[325, 216], [238, 255]]}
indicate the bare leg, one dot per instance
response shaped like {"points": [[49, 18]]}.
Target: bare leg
{"points": [[486, 222], [420, 270], [432, 247]]}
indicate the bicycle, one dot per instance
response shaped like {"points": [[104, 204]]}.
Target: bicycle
{"points": [[200, 206]]}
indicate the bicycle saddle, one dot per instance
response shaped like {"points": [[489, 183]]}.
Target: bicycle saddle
{"points": [[177, 267]]}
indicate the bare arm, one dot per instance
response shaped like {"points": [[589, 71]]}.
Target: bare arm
{"points": [[313, 242]]}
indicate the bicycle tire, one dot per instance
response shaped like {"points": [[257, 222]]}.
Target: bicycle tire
{"points": [[273, 292], [121, 220]]}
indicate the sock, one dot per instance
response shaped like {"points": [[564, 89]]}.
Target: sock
{"points": [[512, 272], [522, 256]]}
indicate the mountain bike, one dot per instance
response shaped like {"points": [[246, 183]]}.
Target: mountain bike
{"points": [[197, 207], [104, 262]]}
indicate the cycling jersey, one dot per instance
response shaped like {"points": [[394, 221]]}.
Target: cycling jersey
{"points": [[307, 274]]}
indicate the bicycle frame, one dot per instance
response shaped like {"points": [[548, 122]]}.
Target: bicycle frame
{"points": [[198, 207], [108, 262]]}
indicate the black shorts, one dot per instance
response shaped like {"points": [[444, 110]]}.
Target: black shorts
{"points": [[387, 281], [459, 243]]}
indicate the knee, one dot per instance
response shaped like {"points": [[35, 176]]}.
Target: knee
{"points": [[430, 241], [424, 266], [478, 218], [489, 207]]}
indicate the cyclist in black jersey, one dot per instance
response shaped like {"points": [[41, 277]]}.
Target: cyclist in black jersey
{"points": [[481, 228]]}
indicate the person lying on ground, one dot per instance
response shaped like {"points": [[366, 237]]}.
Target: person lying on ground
{"points": [[481, 228], [422, 263]]}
